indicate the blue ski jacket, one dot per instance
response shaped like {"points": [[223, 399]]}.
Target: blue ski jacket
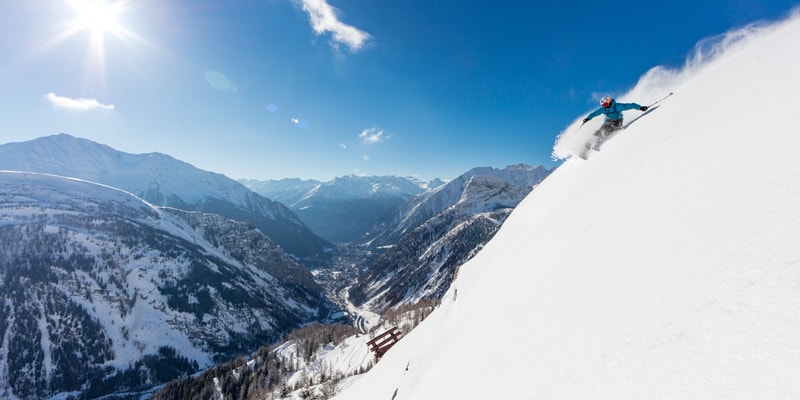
{"points": [[614, 112]]}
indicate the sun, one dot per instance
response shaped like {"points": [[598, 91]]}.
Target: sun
{"points": [[96, 16], [95, 20]]}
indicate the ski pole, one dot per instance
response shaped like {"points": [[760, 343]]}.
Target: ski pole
{"points": [[659, 100]]}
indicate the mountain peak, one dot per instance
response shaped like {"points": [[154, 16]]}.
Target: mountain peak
{"points": [[162, 180]]}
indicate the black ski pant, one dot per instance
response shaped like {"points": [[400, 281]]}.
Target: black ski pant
{"points": [[609, 126]]}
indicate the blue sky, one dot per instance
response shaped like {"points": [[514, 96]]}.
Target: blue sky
{"points": [[315, 89]]}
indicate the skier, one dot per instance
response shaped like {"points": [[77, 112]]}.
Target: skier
{"points": [[613, 112]]}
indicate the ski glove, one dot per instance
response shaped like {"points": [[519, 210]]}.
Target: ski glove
{"points": [[644, 108], [585, 120]]}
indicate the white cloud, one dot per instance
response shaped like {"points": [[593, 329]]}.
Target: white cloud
{"points": [[372, 136], [76, 104], [325, 19]]}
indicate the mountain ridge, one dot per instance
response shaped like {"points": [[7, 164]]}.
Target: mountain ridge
{"points": [[165, 181], [427, 205], [343, 209]]}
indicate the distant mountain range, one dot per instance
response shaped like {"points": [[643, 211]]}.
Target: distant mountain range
{"points": [[103, 292], [346, 208], [420, 231], [432, 234], [165, 181]]}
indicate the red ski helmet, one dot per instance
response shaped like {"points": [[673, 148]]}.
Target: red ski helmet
{"points": [[606, 101]]}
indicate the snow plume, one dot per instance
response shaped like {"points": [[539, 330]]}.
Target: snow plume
{"points": [[325, 19], [666, 266], [76, 104], [660, 80]]}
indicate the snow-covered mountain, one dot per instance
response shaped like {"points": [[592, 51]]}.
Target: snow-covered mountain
{"points": [[103, 292], [459, 218], [666, 266], [290, 191], [164, 181], [429, 204], [344, 209], [285, 191]]}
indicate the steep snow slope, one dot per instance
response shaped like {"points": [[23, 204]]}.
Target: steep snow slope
{"points": [[667, 266]]}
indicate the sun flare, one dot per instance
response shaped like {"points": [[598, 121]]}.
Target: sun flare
{"points": [[100, 19], [96, 16]]}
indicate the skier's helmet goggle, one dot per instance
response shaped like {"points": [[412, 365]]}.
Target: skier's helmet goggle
{"points": [[606, 101]]}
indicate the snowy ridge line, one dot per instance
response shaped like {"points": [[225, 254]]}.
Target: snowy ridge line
{"points": [[164, 181], [24, 174]]}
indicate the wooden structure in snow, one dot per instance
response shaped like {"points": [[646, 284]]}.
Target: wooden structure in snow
{"points": [[383, 342]]}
